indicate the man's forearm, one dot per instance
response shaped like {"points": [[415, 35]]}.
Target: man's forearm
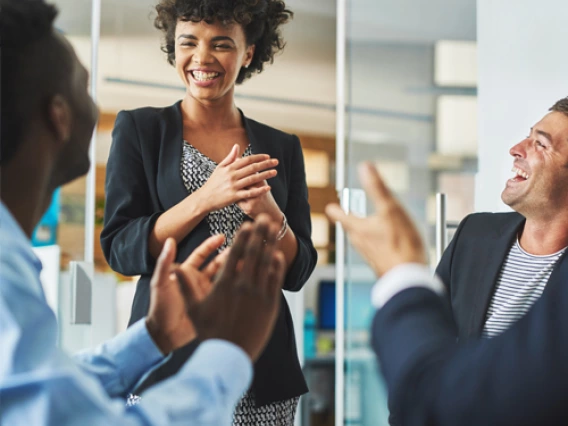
{"points": [[119, 363]]}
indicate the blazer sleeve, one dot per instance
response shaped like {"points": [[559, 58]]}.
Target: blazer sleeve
{"points": [[129, 216], [517, 378], [298, 215]]}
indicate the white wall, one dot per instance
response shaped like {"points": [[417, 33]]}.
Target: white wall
{"points": [[523, 70]]}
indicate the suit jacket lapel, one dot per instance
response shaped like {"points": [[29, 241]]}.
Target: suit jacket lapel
{"points": [[490, 263], [170, 183], [256, 141]]}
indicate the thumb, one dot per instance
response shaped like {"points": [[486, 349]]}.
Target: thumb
{"points": [[233, 155], [164, 263]]}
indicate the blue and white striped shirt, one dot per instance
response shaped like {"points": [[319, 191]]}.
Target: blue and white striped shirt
{"points": [[520, 284]]}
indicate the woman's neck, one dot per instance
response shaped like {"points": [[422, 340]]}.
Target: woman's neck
{"points": [[220, 115]]}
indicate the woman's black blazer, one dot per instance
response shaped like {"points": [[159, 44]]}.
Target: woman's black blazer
{"points": [[143, 180]]}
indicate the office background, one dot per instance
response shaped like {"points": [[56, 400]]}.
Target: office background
{"points": [[435, 92]]}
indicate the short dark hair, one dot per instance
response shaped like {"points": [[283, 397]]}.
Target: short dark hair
{"points": [[560, 106], [34, 65], [260, 20]]}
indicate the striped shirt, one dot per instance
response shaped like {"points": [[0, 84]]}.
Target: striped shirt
{"points": [[521, 282]]}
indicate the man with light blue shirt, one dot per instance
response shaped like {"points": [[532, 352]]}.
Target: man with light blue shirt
{"points": [[47, 119]]}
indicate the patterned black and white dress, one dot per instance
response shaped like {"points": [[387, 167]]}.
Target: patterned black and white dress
{"points": [[196, 168]]}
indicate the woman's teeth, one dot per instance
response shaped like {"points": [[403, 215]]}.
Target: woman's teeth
{"points": [[204, 76]]}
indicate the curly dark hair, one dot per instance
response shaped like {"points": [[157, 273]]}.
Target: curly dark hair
{"points": [[560, 106], [260, 20], [28, 70]]}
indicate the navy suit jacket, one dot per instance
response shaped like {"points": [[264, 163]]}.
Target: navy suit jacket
{"points": [[471, 264], [517, 378], [143, 180]]}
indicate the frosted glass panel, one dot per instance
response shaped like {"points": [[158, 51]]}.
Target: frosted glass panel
{"points": [[411, 109], [456, 63], [456, 125]]}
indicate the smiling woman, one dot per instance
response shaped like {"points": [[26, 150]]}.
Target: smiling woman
{"points": [[259, 20], [201, 167], [211, 57]]}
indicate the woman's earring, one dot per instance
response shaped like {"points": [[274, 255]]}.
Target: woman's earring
{"points": [[247, 65]]}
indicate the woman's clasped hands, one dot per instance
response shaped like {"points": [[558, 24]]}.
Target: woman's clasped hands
{"points": [[242, 181]]}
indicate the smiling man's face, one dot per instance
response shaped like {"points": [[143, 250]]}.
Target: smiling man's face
{"points": [[540, 182]]}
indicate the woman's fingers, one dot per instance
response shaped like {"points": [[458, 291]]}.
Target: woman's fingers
{"points": [[250, 159], [254, 179], [232, 157], [246, 169], [248, 193]]}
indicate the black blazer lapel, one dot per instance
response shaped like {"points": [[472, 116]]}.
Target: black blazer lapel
{"points": [[490, 261], [169, 181]]}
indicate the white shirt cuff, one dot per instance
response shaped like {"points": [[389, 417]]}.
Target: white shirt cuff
{"points": [[402, 277]]}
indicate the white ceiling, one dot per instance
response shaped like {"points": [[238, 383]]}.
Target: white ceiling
{"points": [[135, 17], [306, 71], [413, 21], [416, 21]]}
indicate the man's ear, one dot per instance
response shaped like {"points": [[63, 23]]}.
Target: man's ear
{"points": [[59, 116]]}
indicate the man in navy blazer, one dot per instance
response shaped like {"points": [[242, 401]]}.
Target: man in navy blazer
{"points": [[517, 378], [498, 264]]}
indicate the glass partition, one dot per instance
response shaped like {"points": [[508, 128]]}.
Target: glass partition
{"points": [[410, 107], [64, 238]]}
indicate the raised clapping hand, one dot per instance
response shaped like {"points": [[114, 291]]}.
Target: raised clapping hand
{"points": [[386, 239], [235, 179], [244, 302], [167, 321]]}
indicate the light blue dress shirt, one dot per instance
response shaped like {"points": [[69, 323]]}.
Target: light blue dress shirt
{"points": [[42, 386]]}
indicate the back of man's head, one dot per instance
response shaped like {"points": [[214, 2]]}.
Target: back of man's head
{"points": [[35, 65], [560, 106]]}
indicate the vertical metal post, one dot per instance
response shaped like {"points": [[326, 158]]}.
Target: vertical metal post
{"points": [[90, 191], [82, 273], [341, 40], [441, 226]]}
